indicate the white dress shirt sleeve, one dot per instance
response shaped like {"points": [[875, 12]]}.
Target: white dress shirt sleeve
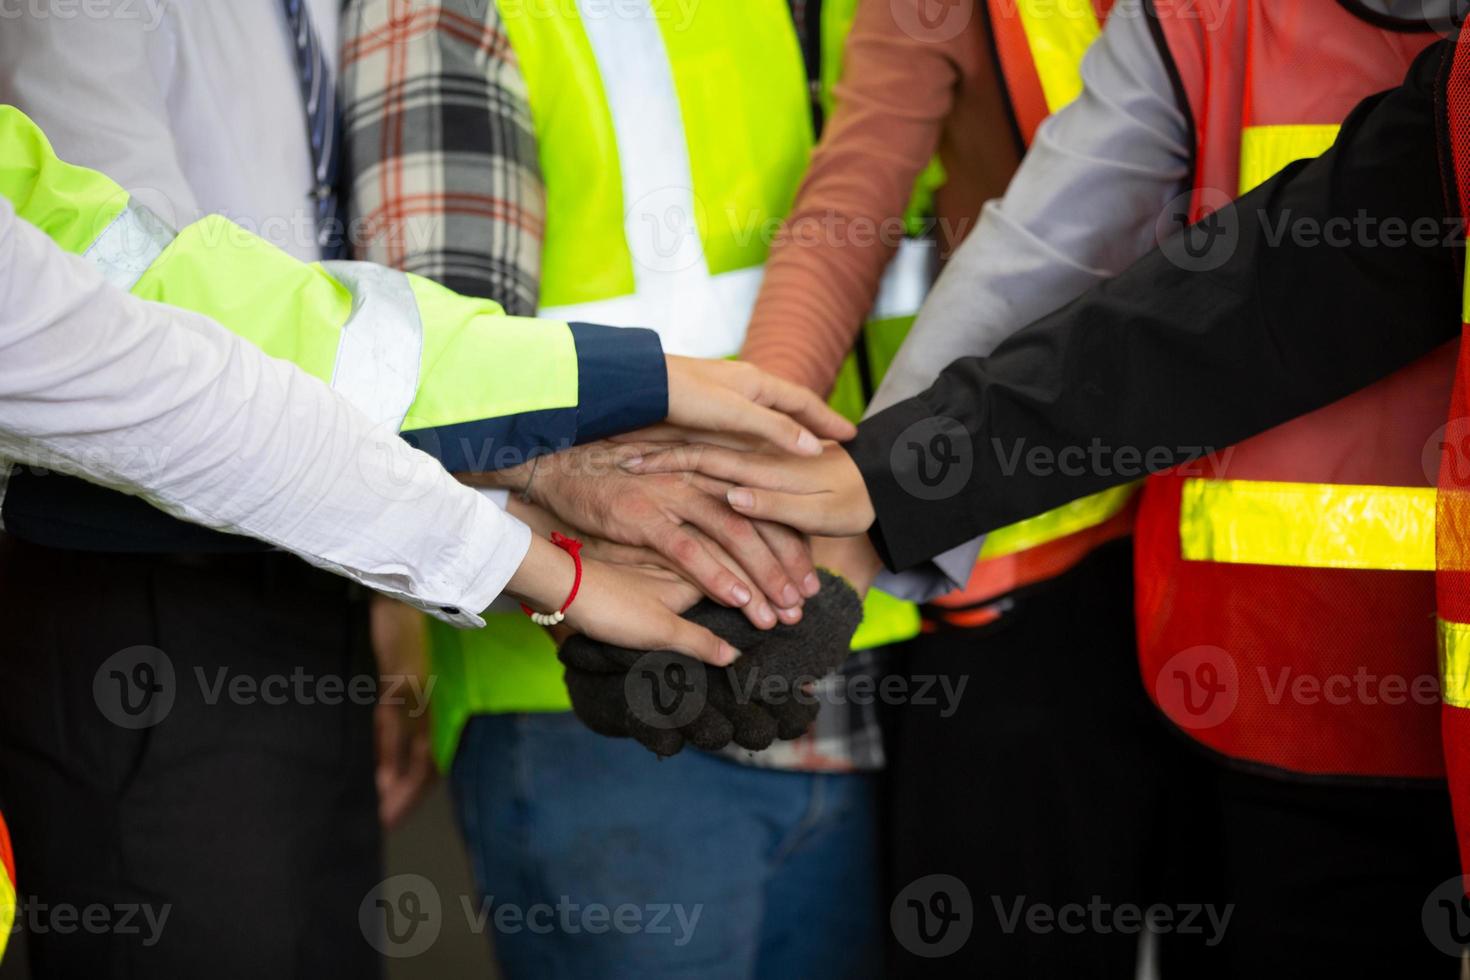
{"points": [[1101, 177], [170, 406]]}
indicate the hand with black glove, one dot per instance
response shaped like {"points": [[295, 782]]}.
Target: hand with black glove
{"points": [[664, 699]]}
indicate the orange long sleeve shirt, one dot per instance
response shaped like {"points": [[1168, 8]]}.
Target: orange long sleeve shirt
{"points": [[902, 98]]}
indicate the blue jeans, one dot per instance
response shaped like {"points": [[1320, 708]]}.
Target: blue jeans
{"points": [[596, 860]]}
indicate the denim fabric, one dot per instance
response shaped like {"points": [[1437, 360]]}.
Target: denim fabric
{"points": [[596, 860]]}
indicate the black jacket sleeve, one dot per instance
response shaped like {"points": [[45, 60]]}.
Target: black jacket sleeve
{"points": [[1335, 273]]}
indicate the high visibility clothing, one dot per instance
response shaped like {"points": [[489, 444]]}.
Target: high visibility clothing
{"points": [[1039, 46], [1301, 556], [7, 886], [407, 352], [1452, 516], [668, 163]]}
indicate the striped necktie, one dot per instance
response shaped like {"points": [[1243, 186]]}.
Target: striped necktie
{"points": [[323, 128]]}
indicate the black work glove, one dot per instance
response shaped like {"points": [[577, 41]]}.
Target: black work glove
{"points": [[664, 699]]}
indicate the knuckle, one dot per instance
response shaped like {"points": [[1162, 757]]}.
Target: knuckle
{"points": [[684, 549]]}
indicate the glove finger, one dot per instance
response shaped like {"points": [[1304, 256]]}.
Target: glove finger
{"points": [[710, 730], [728, 624], [753, 726], [599, 702], [662, 742], [793, 716]]}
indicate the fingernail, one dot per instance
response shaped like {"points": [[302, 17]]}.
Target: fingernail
{"points": [[790, 616], [729, 653], [790, 596], [741, 594], [808, 443], [631, 462], [811, 584], [740, 498], [764, 615]]}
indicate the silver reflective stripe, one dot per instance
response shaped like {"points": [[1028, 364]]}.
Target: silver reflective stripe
{"points": [[129, 245], [701, 318], [677, 296], [382, 343], [907, 279]]}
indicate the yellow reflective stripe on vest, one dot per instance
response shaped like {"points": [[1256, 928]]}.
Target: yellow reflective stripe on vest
{"points": [[127, 247], [1264, 150], [1465, 292], [1454, 663], [1307, 525], [1079, 515], [1059, 32]]}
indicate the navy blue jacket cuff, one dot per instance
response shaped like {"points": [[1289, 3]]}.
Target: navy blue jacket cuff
{"points": [[622, 385]]}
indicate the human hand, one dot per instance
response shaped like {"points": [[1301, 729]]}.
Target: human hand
{"points": [[619, 604], [663, 700], [405, 763], [822, 495], [681, 521], [736, 397]]}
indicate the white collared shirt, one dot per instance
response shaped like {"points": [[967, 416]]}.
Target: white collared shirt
{"points": [[167, 404], [194, 106]]}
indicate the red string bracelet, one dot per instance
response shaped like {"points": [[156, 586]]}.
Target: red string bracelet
{"points": [[572, 547]]}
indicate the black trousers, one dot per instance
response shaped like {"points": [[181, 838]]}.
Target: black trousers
{"points": [[187, 769], [1069, 810]]}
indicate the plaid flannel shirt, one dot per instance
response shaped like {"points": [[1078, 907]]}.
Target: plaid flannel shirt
{"points": [[444, 181]]}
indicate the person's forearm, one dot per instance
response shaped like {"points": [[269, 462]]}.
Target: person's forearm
{"points": [[826, 265], [477, 388], [168, 405], [1164, 362], [1083, 206], [463, 207]]}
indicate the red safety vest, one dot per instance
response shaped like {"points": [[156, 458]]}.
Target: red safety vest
{"points": [[1285, 597], [1452, 538]]}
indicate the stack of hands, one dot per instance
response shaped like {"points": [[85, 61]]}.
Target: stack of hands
{"points": [[716, 507], [665, 518]]}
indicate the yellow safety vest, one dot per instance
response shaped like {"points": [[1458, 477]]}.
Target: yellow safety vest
{"points": [[672, 143]]}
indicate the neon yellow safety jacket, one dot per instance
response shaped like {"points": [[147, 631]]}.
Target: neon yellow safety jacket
{"points": [[471, 386]]}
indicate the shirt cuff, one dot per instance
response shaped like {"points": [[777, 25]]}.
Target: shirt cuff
{"points": [[622, 380], [912, 522], [622, 385], [491, 554], [944, 574]]}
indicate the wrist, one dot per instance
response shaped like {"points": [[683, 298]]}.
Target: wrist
{"points": [[854, 559], [545, 576]]}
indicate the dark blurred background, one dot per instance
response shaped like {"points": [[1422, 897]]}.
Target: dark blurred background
{"points": [[428, 844]]}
